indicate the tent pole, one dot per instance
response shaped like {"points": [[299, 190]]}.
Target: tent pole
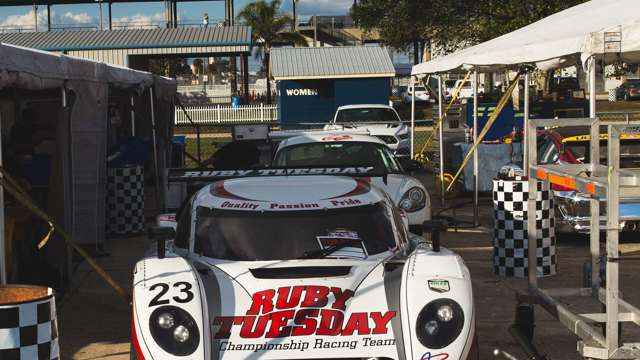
{"points": [[413, 113], [525, 124], [155, 147], [592, 87], [133, 118], [475, 153], [441, 141], [3, 253]]}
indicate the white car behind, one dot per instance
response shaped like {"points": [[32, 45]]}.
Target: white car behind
{"points": [[381, 121], [422, 94], [344, 149]]}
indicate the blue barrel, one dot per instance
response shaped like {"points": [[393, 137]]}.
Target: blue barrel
{"points": [[235, 101]]}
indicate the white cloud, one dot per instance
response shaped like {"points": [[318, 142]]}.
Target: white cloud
{"points": [[141, 19], [73, 18], [80, 19], [68, 18]]}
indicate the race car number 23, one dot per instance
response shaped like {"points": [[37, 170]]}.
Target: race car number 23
{"points": [[185, 295]]}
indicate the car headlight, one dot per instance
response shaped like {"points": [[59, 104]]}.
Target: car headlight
{"points": [[174, 330], [439, 323], [413, 200]]}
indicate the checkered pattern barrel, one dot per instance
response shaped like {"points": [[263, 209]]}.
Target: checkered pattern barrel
{"points": [[510, 242], [29, 330], [125, 200]]}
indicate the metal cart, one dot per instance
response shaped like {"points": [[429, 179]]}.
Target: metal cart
{"points": [[599, 333]]}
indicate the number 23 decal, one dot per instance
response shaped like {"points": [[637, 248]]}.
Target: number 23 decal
{"points": [[186, 294]]}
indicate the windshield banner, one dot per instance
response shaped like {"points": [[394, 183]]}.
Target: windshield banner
{"points": [[178, 175]]}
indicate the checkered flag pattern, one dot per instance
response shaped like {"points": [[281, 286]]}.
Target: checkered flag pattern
{"points": [[29, 331], [510, 242], [125, 200]]}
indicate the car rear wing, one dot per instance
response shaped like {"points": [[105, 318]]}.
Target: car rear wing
{"points": [[212, 175]]}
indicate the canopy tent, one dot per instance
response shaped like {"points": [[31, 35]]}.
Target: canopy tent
{"points": [[83, 92], [578, 35], [560, 40]]}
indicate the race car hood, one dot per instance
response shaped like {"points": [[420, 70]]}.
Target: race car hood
{"points": [[312, 308], [301, 308]]}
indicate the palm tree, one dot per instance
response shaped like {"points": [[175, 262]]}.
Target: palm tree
{"points": [[269, 27]]}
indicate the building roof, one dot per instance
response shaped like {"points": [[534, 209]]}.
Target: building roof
{"points": [[131, 39], [330, 62]]}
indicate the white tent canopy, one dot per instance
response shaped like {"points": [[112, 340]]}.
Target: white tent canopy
{"points": [[560, 40]]}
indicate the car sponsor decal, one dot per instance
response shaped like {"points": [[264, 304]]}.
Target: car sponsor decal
{"points": [[439, 286], [304, 310], [429, 356], [194, 174], [337, 138], [354, 247]]}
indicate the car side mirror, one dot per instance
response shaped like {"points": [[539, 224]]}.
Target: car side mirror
{"points": [[409, 164], [161, 234], [434, 227]]}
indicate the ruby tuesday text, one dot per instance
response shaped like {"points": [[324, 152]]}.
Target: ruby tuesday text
{"points": [[302, 311]]}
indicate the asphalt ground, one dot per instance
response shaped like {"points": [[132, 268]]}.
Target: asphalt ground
{"points": [[95, 322]]}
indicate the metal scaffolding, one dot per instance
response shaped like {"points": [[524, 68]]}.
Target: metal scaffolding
{"points": [[600, 182]]}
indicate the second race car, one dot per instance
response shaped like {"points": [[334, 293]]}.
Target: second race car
{"points": [[343, 149]]}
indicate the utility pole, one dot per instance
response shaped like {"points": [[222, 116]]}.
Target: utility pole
{"points": [[35, 16], [100, 9], [294, 26]]}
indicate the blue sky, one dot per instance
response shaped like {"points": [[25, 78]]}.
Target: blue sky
{"points": [[16, 16]]}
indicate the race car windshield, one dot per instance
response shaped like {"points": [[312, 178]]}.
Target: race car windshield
{"points": [[284, 235], [338, 154], [366, 115]]}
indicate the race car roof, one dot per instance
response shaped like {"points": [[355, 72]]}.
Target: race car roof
{"points": [[288, 193], [329, 137]]}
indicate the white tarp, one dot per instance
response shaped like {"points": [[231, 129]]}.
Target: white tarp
{"points": [[38, 70], [560, 40], [83, 123]]}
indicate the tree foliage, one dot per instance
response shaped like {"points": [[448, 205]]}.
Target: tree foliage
{"points": [[268, 27], [450, 23]]}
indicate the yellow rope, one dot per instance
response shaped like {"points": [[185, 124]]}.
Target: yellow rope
{"points": [[487, 127], [13, 188]]}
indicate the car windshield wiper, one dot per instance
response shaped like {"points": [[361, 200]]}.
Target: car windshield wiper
{"points": [[320, 253]]}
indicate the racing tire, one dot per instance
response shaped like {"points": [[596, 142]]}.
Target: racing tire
{"points": [[525, 320]]}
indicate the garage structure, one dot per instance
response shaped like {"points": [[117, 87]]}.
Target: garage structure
{"points": [[134, 48], [313, 82]]}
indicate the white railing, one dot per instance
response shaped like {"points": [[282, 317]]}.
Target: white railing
{"points": [[226, 115]]}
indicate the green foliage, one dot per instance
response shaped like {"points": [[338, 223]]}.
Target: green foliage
{"points": [[169, 67], [450, 23], [268, 27], [268, 24]]}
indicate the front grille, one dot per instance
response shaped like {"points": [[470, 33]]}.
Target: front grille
{"points": [[389, 139]]}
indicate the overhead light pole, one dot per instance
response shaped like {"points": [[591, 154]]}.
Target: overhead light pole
{"points": [[294, 26], [35, 16], [100, 10]]}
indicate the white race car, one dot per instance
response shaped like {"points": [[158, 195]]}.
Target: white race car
{"points": [[381, 121], [299, 267], [345, 149]]}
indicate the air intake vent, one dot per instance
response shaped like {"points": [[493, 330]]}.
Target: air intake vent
{"points": [[300, 272]]}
